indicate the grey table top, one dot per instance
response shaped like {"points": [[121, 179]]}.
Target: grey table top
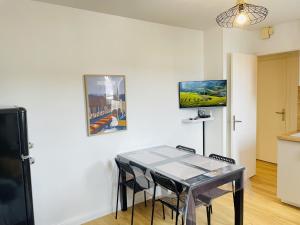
{"points": [[189, 169]]}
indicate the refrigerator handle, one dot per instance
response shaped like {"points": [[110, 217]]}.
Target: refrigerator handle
{"points": [[27, 157], [31, 160], [30, 145]]}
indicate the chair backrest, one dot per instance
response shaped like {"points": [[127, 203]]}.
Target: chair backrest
{"points": [[136, 165], [191, 150], [222, 158], [124, 167], [166, 183]]}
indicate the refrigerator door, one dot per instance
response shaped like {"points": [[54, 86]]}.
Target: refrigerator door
{"points": [[13, 171], [24, 144]]}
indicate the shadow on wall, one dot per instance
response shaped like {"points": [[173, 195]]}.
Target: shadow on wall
{"points": [[101, 178]]}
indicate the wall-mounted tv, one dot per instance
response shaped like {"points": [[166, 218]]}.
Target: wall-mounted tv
{"points": [[208, 93]]}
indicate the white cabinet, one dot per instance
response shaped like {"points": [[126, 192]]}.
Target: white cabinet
{"points": [[288, 181]]}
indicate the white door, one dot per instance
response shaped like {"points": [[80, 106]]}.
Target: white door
{"points": [[243, 111]]}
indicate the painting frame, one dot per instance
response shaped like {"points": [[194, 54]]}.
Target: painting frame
{"points": [[106, 106]]}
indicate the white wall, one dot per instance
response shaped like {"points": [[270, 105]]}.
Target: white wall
{"points": [[237, 41], [285, 38], [45, 50], [213, 51], [213, 69]]}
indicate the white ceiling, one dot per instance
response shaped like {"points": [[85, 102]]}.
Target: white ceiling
{"points": [[194, 14]]}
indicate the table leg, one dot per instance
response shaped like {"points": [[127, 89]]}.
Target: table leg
{"points": [[239, 202], [190, 213], [123, 192]]}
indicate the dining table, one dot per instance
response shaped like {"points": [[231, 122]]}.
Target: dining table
{"points": [[197, 173]]}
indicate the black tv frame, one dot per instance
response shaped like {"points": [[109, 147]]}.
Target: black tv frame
{"points": [[197, 107]]}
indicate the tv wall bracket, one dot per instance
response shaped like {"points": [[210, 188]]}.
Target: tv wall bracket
{"points": [[202, 117]]}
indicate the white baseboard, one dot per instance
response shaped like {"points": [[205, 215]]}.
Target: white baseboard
{"points": [[78, 220]]}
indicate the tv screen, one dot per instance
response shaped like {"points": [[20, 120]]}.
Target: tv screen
{"points": [[196, 94]]}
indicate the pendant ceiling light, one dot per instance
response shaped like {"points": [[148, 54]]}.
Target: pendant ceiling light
{"points": [[242, 14]]}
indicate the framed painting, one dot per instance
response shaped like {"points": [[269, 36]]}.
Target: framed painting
{"points": [[105, 103]]}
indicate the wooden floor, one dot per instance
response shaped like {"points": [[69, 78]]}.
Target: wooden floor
{"points": [[261, 206]]}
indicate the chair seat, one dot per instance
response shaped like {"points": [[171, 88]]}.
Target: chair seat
{"points": [[208, 196], [138, 187], [171, 201]]}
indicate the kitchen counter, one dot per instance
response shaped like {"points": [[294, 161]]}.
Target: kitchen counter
{"points": [[288, 159], [290, 136]]}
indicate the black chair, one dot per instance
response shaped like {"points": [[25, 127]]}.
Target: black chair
{"points": [[141, 171], [191, 150], [175, 203], [132, 183], [207, 197], [222, 158], [187, 149]]}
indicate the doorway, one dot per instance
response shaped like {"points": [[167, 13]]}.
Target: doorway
{"points": [[277, 96]]}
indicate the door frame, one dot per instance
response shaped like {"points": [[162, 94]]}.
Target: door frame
{"points": [[276, 56]]}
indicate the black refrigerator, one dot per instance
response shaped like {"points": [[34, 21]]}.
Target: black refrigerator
{"points": [[16, 207]]}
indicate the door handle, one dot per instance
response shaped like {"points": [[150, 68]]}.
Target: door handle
{"points": [[282, 113], [235, 121]]}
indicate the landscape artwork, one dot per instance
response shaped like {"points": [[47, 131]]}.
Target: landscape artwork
{"points": [[203, 93], [106, 103]]}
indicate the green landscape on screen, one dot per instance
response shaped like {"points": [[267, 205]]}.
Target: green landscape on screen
{"points": [[202, 93]]}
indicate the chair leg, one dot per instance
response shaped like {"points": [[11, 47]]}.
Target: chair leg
{"points": [[132, 212], [163, 208], [233, 192], [118, 195], [145, 198], [177, 210], [233, 195], [153, 204], [177, 215], [208, 215], [233, 187], [211, 211], [182, 222]]}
